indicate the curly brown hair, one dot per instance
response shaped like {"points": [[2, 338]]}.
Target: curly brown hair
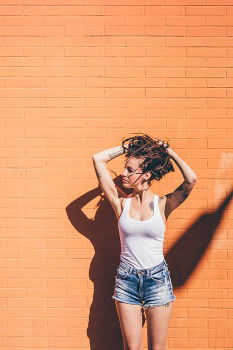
{"points": [[153, 151]]}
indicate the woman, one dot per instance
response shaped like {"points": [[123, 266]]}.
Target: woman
{"points": [[143, 282]]}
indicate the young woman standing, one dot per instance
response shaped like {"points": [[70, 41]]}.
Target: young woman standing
{"points": [[143, 282]]}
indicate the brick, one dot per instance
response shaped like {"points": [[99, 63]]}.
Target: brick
{"points": [[76, 76]]}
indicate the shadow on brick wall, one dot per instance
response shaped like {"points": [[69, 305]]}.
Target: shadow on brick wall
{"points": [[103, 328], [188, 250]]}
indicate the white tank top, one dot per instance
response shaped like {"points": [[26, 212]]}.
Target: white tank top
{"points": [[141, 241]]}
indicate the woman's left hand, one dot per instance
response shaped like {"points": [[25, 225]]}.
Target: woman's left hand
{"points": [[168, 149]]}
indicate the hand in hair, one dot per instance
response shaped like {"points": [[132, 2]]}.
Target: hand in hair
{"points": [[154, 153], [166, 146]]}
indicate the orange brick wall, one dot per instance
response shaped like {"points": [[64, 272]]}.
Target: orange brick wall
{"points": [[76, 77]]}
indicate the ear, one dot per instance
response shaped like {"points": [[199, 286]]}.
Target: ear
{"points": [[147, 176]]}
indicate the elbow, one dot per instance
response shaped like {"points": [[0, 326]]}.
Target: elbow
{"points": [[98, 158], [94, 157], [192, 180]]}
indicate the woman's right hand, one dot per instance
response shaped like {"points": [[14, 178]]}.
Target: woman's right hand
{"points": [[126, 147]]}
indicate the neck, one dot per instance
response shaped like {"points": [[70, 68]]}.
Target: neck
{"points": [[142, 195]]}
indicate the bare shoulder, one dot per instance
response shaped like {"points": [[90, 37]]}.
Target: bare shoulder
{"points": [[162, 200], [119, 207], [123, 199], [162, 204]]}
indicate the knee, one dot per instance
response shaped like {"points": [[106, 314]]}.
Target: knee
{"points": [[159, 347], [133, 347]]}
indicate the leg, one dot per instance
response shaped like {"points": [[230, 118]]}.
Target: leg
{"points": [[157, 326], [131, 322]]}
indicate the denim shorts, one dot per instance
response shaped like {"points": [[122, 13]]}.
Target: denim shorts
{"points": [[145, 287]]}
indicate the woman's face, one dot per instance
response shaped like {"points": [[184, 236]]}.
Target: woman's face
{"points": [[132, 174]]}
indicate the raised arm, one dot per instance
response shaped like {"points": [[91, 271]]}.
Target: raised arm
{"points": [[100, 161], [178, 196]]}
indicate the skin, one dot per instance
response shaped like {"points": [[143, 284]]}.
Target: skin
{"points": [[131, 322]]}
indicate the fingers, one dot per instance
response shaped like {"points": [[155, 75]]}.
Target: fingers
{"points": [[163, 143]]}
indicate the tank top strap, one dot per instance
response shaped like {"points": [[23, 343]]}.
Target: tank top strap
{"points": [[156, 201], [126, 206]]}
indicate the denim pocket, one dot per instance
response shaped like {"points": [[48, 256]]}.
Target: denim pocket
{"points": [[122, 273], [159, 277]]}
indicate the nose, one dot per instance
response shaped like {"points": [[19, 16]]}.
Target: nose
{"points": [[124, 174]]}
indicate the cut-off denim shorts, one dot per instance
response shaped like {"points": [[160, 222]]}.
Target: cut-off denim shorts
{"points": [[146, 287]]}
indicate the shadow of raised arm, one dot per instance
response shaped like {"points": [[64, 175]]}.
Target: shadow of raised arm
{"points": [[188, 250]]}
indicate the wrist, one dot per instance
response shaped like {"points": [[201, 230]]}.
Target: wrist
{"points": [[170, 151], [125, 148], [108, 154], [115, 152]]}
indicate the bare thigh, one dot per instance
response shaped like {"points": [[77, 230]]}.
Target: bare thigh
{"points": [[157, 325], [131, 322]]}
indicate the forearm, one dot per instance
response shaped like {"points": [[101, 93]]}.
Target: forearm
{"points": [[187, 172], [109, 154]]}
